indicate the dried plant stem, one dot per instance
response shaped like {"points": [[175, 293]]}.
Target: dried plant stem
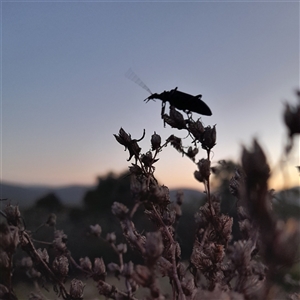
{"points": [[45, 266], [173, 249]]}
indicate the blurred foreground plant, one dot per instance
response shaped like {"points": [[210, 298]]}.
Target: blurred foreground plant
{"points": [[253, 267]]}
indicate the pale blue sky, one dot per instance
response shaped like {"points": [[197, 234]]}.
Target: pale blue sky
{"points": [[64, 93]]}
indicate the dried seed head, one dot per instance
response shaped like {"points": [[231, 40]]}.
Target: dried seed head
{"points": [[176, 143], [95, 230], [204, 170], [135, 170], [43, 254], [13, 214], [119, 210], [111, 238], [59, 245], [85, 264], [177, 119], [192, 152], [209, 138], [9, 237], [123, 138], [105, 289], [76, 289], [155, 141], [128, 269], [26, 262], [188, 286], [142, 276], [147, 159], [196, 129], [112, 267], [99, 270], [122, 248], [51, 221], [154, 245], [61, 265], [160, 194]]}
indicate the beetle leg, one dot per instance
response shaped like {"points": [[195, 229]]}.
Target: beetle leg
{"points": [[163, 106]]}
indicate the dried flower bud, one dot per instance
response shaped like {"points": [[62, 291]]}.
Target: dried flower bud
{"points": [[128, 269], [112, 267], [160, 194], [209, 138], [169, 217], [147, 159], [188, 286], [125, 139], [111, 238], [59, 245], [76, 289], [196, 129], [61, 235], [85, 264], [119, 210], [204, 170], [95, 230], [33, 273], [177, 119], [99, 270], [122, 248], [9, 237], [191, 153], [154, 246], [176, 143], [51, 221], [155, 141], [43, 254], [61, 265], [105, 289], [138, 186], [135, 170], [13, 214], [26, 262], [142, 276]]}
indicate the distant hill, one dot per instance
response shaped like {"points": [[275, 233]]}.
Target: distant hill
{"points": [[26, 195], [71, 195]]}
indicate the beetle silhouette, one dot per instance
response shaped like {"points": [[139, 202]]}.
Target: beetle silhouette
{"points": [[183, 101], [180, 100]]}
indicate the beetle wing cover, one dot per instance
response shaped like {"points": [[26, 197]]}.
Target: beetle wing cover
{"points": [[189, 102]]}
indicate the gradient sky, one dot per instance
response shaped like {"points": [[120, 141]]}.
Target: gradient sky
{"points": [[64, 90]]}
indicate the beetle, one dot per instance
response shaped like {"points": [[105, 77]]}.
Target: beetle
{"points": [[183, 101], [180, 100]]}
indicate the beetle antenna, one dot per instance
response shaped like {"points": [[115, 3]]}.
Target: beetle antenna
{"points": [[133, 77]]}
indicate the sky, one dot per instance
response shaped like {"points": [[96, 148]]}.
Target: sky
{"points": [[64, 92]]}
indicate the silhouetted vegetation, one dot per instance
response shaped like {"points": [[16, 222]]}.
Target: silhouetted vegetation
{"points": [[237, 243]]}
